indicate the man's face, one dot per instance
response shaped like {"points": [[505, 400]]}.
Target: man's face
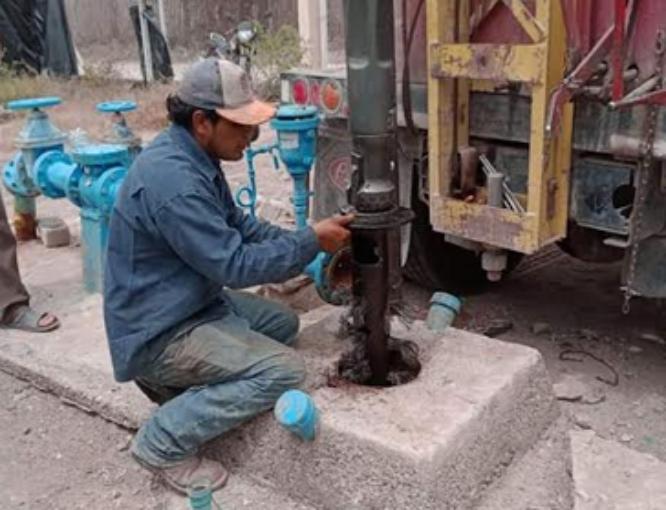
{"points": [[223, 139]]}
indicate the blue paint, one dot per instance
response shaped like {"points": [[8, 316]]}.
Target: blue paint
{"points": [[296, 411]]}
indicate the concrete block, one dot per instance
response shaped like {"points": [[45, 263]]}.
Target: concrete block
{"points": [[53, 232], [609, 476], [436, 443]]}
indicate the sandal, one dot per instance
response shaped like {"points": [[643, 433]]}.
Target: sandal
{"points": [[27, 319]]}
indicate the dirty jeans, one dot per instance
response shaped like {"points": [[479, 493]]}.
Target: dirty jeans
{"points": [[219, 375], [12, 291]]}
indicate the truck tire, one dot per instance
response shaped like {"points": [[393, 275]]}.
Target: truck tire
{"points": [[436, 264]]}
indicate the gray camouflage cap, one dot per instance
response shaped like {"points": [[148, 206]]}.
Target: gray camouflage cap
{"points": [[221, 85]]}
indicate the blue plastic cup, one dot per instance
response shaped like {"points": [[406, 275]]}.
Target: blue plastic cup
{"points": [[296, 411], [443, 310]]}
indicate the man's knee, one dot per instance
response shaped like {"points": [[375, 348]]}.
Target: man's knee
{"points": [[287, 329], [287, 371]]}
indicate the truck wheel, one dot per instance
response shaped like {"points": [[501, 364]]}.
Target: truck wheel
{"points": [[438, 265]]}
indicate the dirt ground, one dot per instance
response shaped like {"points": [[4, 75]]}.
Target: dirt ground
{"points": [[55, 456], [58, 457]]}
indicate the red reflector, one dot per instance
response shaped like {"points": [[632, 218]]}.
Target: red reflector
{"points": [[300, 92], [331, 96]]}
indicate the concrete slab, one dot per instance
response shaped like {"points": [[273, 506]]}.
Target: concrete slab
{"points": [[609, 476], [437, 442], [541, 479]]}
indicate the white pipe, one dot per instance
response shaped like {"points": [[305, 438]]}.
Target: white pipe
{"points": [[163, 25], [145, 39]]}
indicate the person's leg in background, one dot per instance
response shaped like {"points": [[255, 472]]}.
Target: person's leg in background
{"points": [[228, 371], [15, 311]]}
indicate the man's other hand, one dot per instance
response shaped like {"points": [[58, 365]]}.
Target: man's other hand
{"points": [[332, 233]]}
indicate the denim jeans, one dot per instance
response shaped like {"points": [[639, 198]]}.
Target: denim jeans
{"points": [[217, 376]]}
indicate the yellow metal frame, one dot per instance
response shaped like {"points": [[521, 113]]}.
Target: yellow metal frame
{"points": [[453, 62]]}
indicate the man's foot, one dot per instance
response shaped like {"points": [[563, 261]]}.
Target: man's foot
{"points": [[189, 473], [24, 318]]}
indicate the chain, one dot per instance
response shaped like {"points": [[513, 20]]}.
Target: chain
{"points": [[643, 168]]}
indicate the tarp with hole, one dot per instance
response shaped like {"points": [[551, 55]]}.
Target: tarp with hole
{"points": [[35, 36]]}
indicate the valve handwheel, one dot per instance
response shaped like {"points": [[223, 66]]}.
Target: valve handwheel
{"points": [[116, 106], [33, 103]]}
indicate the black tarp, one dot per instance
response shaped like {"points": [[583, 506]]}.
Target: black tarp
{"points": [[35, 36], [162, 69]]}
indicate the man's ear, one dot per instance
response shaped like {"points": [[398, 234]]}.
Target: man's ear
{"points": [[200, 123]]}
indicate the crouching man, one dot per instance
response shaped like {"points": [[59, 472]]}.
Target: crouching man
{"points": [[211, 356]]}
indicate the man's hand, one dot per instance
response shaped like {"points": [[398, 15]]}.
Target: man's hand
{"points": [[332, 233]]}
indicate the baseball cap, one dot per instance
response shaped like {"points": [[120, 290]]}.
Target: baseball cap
{"points": [[222, 86]]}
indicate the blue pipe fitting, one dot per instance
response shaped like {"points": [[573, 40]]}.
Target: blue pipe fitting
{"points": [[121, 133], [296, 411], [444, 308], [90, 177], [246, 197]]}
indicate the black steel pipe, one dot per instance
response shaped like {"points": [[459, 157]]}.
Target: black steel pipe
{"points": [[374, 191]]}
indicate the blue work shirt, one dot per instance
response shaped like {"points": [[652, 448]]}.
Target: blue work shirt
{"points": [[176, 239]]}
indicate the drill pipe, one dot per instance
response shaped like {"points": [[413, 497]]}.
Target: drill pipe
{"points": [[374, 189]]}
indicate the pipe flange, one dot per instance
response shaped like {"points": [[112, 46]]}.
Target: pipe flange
{"points": [[16, 180], [105, 188], [100, 155], [40, 172], [381, 221]]}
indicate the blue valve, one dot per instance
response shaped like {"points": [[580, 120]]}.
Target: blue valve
{"points": [[121, 133], [33, 103], [116, 106]]}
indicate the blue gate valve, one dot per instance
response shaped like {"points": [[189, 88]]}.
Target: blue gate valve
{"points": [[121, 133], [37, 136], [246, 197]]}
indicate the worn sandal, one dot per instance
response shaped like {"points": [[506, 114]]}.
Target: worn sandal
{"points": [[27, 319]]}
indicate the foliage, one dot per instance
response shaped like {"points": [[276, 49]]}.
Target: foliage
{"points": [[274, 52], [15, 84]]}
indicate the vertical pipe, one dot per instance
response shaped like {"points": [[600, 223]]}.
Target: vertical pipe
{"points": [[618, 49], [163, 25], [374, 192], [145, 40], [25, 224], [370, 290]]}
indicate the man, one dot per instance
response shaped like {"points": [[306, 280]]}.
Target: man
{"points": [[15, 310], [213, 357]]}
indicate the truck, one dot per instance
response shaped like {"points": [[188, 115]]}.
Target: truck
{"points": [[521, 124]]}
